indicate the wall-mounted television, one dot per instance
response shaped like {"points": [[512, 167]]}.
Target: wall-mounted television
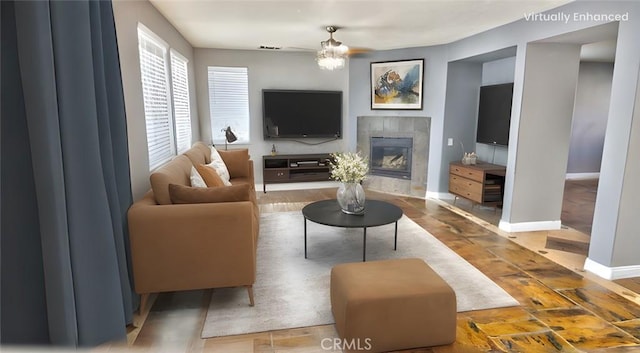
{"points": [[297, 114], [494, 114]]}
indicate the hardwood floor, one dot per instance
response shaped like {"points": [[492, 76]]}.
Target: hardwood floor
{"points": [[561, 310], [579, 203]]}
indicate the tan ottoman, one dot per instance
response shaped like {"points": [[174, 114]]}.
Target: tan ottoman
{"points": [[391, 305]]}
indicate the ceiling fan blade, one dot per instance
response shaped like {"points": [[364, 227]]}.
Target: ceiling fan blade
{"points": [[300, 49], [355, 52]]}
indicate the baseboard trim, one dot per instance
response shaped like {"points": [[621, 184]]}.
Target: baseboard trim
{"points": [[582, 176], [529, 226], [611, 273], [440, 195]]}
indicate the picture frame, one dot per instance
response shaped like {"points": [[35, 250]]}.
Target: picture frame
{"points": [[397, 84]]}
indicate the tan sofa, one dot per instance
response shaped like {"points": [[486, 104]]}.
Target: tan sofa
{"points": [[195, 245]]}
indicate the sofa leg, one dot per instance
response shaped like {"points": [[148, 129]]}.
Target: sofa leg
{"points": [[144, 298], [250, 290]]}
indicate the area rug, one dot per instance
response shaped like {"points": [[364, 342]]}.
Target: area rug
{"points": [[291, 291]]}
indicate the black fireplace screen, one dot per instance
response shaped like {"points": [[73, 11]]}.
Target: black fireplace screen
{"points": [[391, 156]]}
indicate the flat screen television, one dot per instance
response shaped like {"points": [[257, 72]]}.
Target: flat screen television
{"points": [[494, 114], [301, 114]]}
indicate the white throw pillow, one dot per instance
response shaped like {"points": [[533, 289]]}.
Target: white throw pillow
{"points": [[196, 179], [218, 164]]}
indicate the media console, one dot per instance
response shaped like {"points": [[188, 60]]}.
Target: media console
{"points": [[293, 168]]}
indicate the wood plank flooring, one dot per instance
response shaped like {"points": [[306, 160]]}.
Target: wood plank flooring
{"points": [[577, 216], [579, 203], [560, 311], [633, 284]]}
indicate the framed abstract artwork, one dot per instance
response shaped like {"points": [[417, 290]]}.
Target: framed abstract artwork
{"points": [[397, 84]]}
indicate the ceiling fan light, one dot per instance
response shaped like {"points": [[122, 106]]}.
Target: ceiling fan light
{"points": [[333, 54], [334, 45], [331, 63]]}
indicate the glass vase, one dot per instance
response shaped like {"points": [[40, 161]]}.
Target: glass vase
{"points": [[351, 198]]}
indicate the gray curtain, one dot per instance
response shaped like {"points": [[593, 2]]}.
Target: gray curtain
{"points": [[64, 169]]}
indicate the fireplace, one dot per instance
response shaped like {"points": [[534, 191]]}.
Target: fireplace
{"points": [[391, 157]]}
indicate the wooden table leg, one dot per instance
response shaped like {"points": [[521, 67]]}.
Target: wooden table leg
{"points": [[250, 291], [305, 237]]}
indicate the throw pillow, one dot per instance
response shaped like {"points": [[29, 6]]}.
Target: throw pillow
{"points": [[181, 194], [210, 176], [218, 164], [196, 179], [237, 162]]}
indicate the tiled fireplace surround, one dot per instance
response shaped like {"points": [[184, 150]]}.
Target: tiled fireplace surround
{"points": [[417, 128]]}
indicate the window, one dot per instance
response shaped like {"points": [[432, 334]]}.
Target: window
{"points": [[229, 102], [181, 107], [155, 93], [165, 97]]}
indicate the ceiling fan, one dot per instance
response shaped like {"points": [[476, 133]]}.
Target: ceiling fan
{"points": [[333, 53], [332, 42]]}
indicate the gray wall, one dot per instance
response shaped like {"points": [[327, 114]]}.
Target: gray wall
{"points": [[614, 236], [127, 14], [520, 33], [498, 71], [627, 241], [436, 60], [610, 245], [435, 77], [461, 110], [616, 152], [271, 70], [551, 76], [590, 117]]}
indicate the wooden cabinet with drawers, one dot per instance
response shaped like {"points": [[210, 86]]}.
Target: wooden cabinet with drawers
{"points": [[481, 183]]}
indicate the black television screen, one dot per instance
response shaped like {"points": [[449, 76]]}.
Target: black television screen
{"points": [[301, 114], [494, 114]]}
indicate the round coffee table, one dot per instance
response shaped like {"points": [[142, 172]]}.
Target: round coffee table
{"points": [[376, 213]]}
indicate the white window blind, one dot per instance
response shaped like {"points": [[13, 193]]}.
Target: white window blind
{"points": [[229, 102], [182, 112], [155, 91]]}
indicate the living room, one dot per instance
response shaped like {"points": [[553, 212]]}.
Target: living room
{"points": [[268, 69], [443, 104], [545, 61]]}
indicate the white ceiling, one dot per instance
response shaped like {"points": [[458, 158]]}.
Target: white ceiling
{"points": [[375, 25]]}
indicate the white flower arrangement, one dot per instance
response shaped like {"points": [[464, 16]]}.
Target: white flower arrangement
{"points": [[349, 167]]}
